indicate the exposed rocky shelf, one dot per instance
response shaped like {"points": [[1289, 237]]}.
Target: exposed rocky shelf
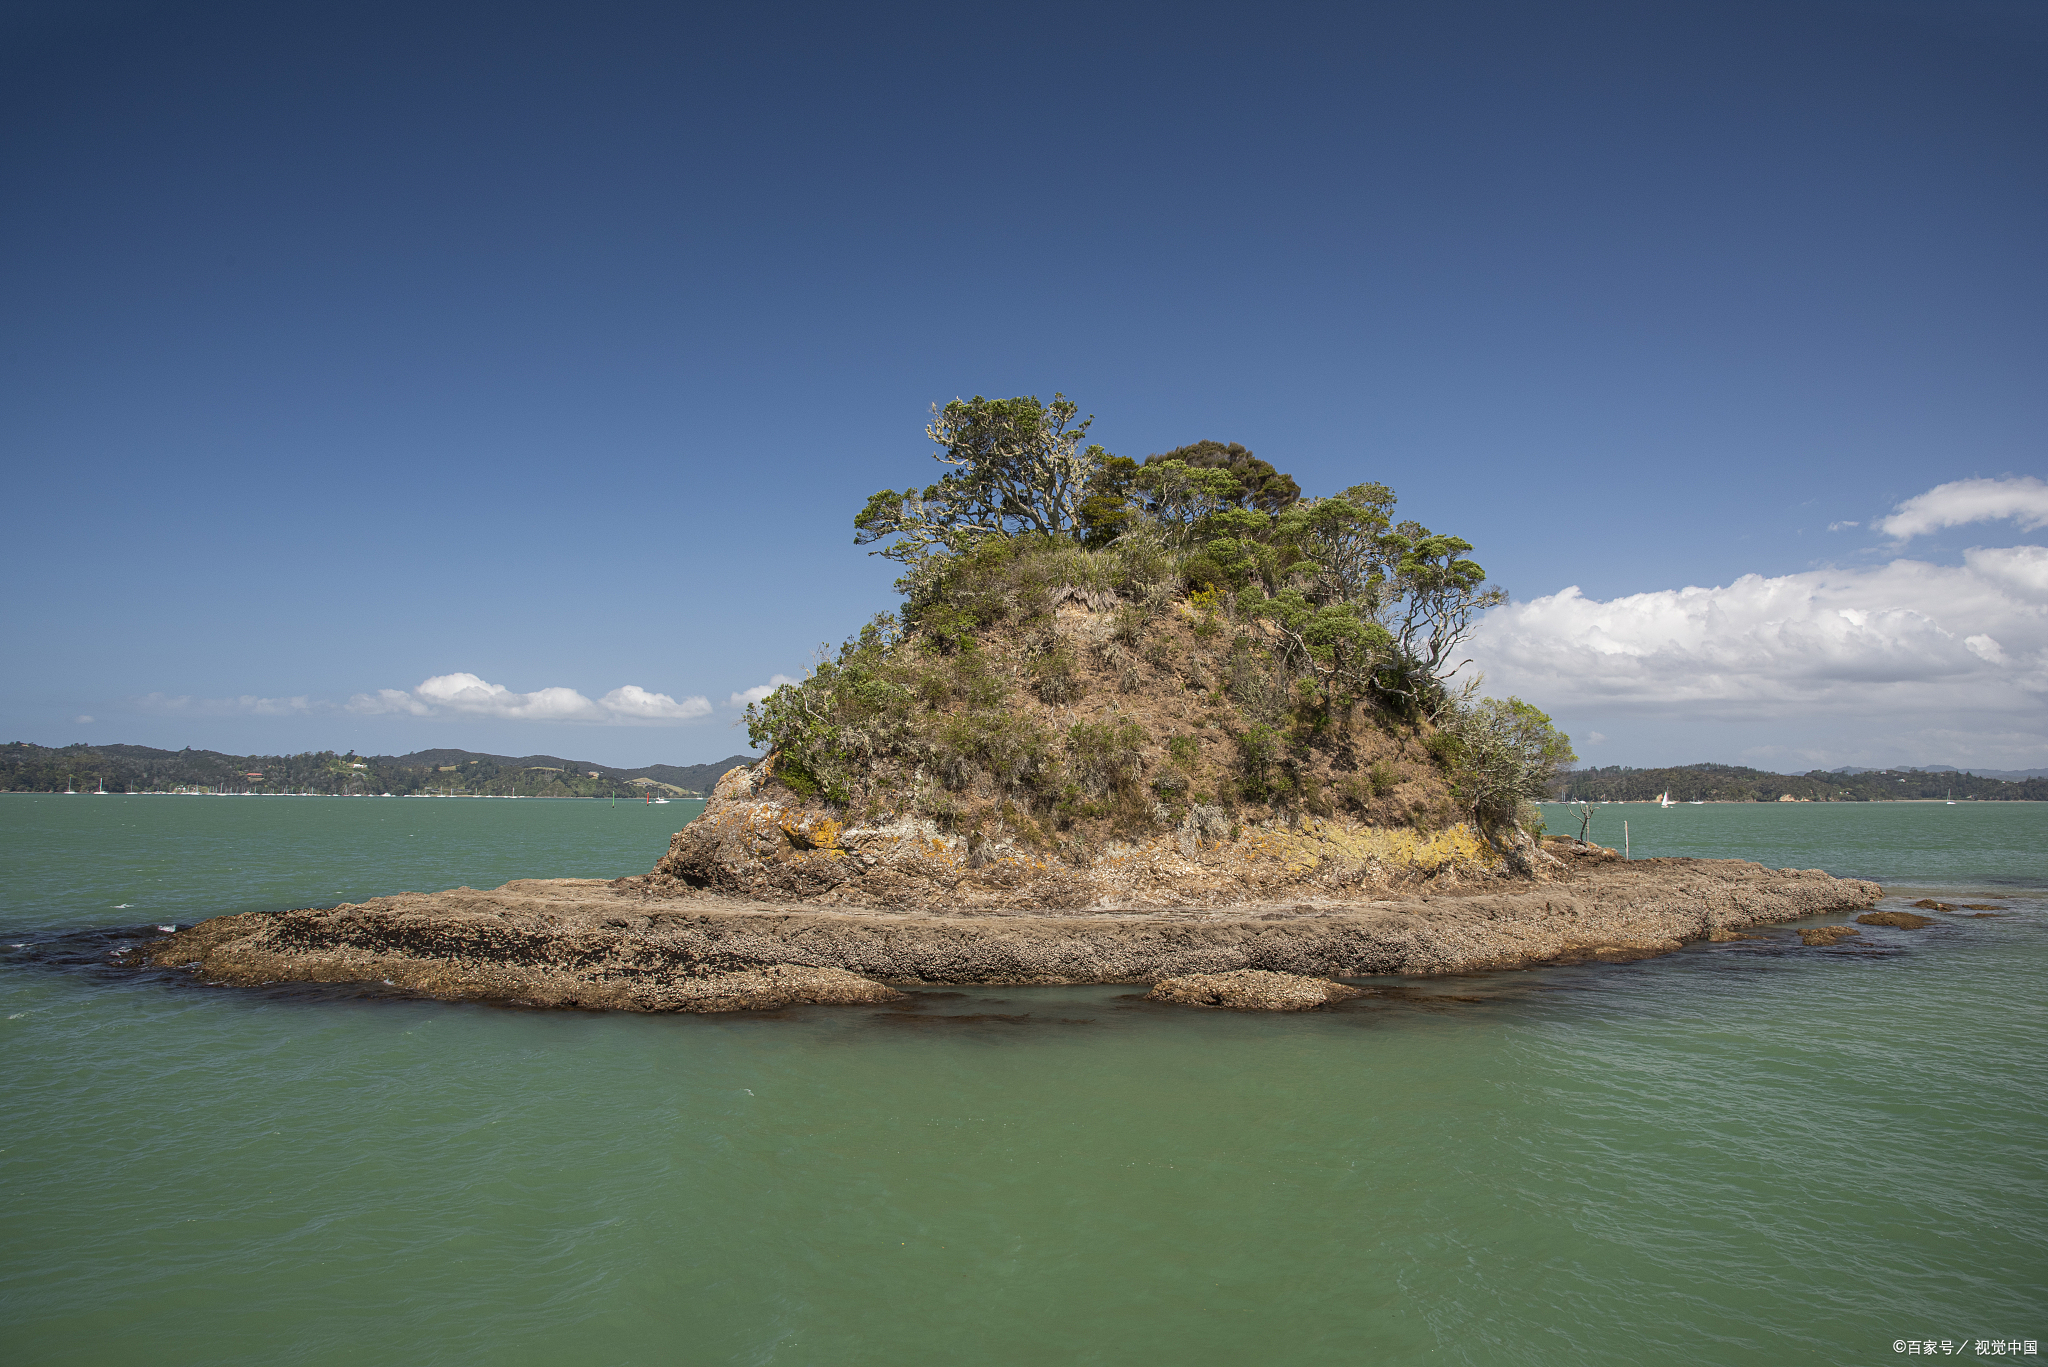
{"points": [[588, 943]]}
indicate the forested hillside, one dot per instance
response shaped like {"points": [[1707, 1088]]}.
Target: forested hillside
{"points": [[139, 768], [1732, 783]]}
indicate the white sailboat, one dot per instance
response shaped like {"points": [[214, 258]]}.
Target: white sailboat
{"points": [[1665, 800]]}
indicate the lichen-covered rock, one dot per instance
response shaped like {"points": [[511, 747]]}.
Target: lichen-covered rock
{"points": [[1904, 920], [1251, 989], [757, 839]]}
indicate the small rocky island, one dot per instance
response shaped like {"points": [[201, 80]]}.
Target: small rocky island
{"points": [[1166, 723]]}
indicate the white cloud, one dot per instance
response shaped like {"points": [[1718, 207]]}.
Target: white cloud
{"points": [[1969, 500], [1965, 647], [465, 694], [2020, 570], [747, 696], [81, 720], [1986, 648], [1838, 526], [388, 700], [470, 694], [637, 703]]}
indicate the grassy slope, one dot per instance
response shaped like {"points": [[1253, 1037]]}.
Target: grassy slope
{"points": [[1057, 696]]}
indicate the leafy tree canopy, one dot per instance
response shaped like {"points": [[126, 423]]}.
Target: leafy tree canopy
{"points": [[1015, 466], [1382, 600], [1259, 485]]}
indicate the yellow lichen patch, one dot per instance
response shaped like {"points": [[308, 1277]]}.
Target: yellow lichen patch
{"points": [[810, 835], [1318, 842]]}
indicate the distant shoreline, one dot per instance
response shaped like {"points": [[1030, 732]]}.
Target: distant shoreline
{"points": [[488, 797], [1800, 802]]}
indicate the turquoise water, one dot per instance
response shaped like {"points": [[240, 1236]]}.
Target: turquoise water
{"points": [[1742, 1153]]}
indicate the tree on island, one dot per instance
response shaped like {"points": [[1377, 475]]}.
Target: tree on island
{"points": [[1014, 467], [1338, 617]]}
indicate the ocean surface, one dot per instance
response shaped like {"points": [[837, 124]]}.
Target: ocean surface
{"points": [[1752, 1153]]}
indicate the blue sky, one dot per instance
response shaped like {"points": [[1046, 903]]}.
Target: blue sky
{"points": [[353, 347]]}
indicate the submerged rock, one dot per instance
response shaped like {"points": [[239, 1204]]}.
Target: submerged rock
{"points": [[1904, 920], [1928, 903], [1827, 935], [1252, 989]]}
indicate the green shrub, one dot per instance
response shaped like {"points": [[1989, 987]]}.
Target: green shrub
{"points": [[1054, 676], [1258, 755], [1500, 756], [828, 728], [1445, 747], [1014, 752], [1105, 757], [796, 778], [1140, 565], [1127, 627]]}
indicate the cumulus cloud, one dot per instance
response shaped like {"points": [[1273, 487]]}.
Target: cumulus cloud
{"points": [[748, 696], [1969, 500], [465, 694], [636, 703], [1959, 644]]}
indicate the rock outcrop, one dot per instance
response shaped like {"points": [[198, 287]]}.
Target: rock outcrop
{"points": [[1252, 989], [588, 943], [757, 839], [532, 943], [1904, 920]]}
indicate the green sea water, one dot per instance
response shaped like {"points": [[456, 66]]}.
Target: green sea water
{"points": [[1744, 1153]]}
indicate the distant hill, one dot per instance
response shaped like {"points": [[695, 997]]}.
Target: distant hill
{"points": [[122, 768], [2009, 775], [1733, 783], [697, 779]]}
